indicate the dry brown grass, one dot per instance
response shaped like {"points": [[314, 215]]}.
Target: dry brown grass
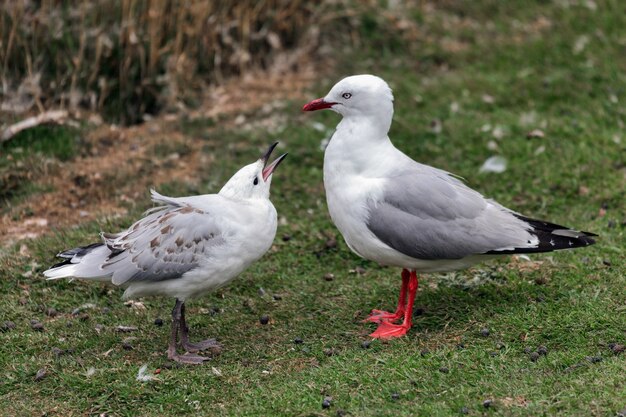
{"points": [[133, 57]]}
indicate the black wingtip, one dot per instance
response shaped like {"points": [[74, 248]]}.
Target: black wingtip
{"points": [[551, 237], [80, 251]]}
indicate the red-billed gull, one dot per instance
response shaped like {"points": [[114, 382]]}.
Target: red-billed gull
{"points": [[398, 212]]}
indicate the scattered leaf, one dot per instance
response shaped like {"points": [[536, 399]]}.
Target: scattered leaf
{"points": [[143, 376], [536, 133], [125, 329], [495, 164]]}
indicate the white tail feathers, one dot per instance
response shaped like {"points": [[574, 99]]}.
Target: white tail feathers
{"points": [[64, 271]]}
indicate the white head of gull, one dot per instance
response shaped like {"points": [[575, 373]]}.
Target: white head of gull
{"points": [[398, 212], [185, 247]]}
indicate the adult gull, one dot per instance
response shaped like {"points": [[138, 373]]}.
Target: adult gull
{"points": [[398, 212], [185, 247]]}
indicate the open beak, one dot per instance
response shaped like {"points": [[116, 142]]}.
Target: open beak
{"points": [[318, 104], [269, 169]]}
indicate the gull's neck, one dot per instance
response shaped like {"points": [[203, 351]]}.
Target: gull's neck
{"points": [[358, 143], [366, 127]]}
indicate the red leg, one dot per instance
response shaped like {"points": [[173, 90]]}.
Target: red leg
{"points": [[378, 316], [388, 330]]}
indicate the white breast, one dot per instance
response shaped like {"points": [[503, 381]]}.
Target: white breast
{"points": [[351, 179]]}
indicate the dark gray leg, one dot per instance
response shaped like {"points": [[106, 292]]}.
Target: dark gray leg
{"points": [[177, 314], [195, 347]]}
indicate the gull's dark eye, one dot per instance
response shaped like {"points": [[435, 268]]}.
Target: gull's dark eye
{"points": [[256, 181], [346, 95]]}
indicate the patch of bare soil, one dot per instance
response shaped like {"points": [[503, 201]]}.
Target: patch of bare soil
{"points": [[121, 163]]}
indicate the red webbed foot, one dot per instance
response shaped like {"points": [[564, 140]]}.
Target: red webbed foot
{"points": [[379, 316], [388, 330]]}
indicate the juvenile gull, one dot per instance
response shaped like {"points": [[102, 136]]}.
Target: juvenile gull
{"points": [[185, 247], [398, 212]]}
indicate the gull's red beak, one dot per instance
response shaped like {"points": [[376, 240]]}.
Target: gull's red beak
{"points": [[269, 169], [318, 104]]}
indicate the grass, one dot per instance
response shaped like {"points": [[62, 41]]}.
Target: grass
{"points": [[24, 157], [573, 303]]}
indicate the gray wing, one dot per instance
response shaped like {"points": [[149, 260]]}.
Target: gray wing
{"points": [[164, 245], [427, 214]]}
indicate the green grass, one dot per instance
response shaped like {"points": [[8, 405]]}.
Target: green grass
{"points": [[573, 304], [24, 157]]}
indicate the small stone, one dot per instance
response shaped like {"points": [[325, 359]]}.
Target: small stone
{"points": [[105, 310], [527, 350], [7, 325], [424, 352], [617, 348], [487, 403], [261, 292], [360, 271], [51, 312], [621, 413], [542, 350], [286, 238], [493, 354], [298, 341], [331, 243], [158, 322], [606, 262], [127, 345], [464, 410], [330, 352], [329, 277], [500, 345], [264, 319], [534, 356], [56, 351], [594, 359], [277, 297], [327, 402], [484, 332], [41, 374], [460, 346], [444, 370], [99, 328], [366, 344], [35, 325], [395, 396]]}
